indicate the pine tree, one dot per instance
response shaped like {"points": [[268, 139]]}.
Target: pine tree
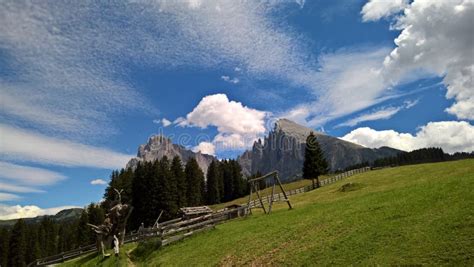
{"points": [[228, 178], [213, 192], [314, 162], [237, 179], [194, 181], [4, 246], [96, 216], [83, 230], [179, 176], [143, 201], [18, 244], [33, 250], [220, 181], [168, 190]]}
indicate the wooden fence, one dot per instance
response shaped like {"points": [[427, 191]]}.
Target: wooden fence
{"points": [[168, 232], [279, 196]]}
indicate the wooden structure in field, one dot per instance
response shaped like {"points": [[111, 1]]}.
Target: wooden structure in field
{"points": [[254, 187], [191, 212]]}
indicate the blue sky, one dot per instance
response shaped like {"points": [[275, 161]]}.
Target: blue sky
{"points": [[82, 85]]}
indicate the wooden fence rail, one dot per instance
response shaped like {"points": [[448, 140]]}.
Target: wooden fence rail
{"points": [[168, 232]]}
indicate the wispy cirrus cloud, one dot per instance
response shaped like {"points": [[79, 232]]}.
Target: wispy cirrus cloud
{"points": [[31, 176], [382, 113], [347, 81], [61, 74], [18, 188], [8, 197], [27, 146]]}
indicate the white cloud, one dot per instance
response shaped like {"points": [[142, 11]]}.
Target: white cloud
{"points": [[235, 122], [61, 72], [98, 182], [378, 114], [348, 81], [23, 145], [28, 211], [377, 9], [8, 197], [165, 122], [205, 148], [227, 116], [436, 38], [381, 114], [18, 188], [180, 121], [228, 79], [28, 175], [451, 136]]}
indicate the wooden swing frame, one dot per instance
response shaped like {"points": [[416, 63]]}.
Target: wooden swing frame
{"points": [[254, 187]]}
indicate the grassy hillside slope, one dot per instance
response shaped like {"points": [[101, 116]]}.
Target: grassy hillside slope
{"points": [[419, 214]]}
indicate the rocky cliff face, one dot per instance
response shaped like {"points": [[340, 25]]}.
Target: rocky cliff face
{"points": [[283, 150], [159, 146]]}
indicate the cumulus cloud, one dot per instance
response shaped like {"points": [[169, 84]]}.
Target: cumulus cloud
{"points": [[28, 211], [451, 136], [377, 9], [205, 148], [98, 182], [382, 113], [436, 39], [228, 79], [238, 125], [24, 145]]}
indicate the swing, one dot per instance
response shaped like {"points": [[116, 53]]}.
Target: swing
{"points": [[254, 186]]}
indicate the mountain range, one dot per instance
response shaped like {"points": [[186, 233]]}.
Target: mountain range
{"points": [[282, 150], [61, 216]]}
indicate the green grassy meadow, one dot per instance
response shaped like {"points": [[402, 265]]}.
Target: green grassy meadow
{"points": [[411, 215]]}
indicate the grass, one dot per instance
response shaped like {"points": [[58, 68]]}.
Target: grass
{"points": [[268, 191], [93, 260], [419, 214]]}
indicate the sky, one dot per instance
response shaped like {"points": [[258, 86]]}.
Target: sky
{"points": [[84, 83]]}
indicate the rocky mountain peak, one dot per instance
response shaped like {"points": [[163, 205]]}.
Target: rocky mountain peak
{"points": [[283, 150], [159, 146], [155, 142]]}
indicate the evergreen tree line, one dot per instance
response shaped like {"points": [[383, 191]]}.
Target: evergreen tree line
{"points": [[166, 186], [25, 242], [423, 155]]}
